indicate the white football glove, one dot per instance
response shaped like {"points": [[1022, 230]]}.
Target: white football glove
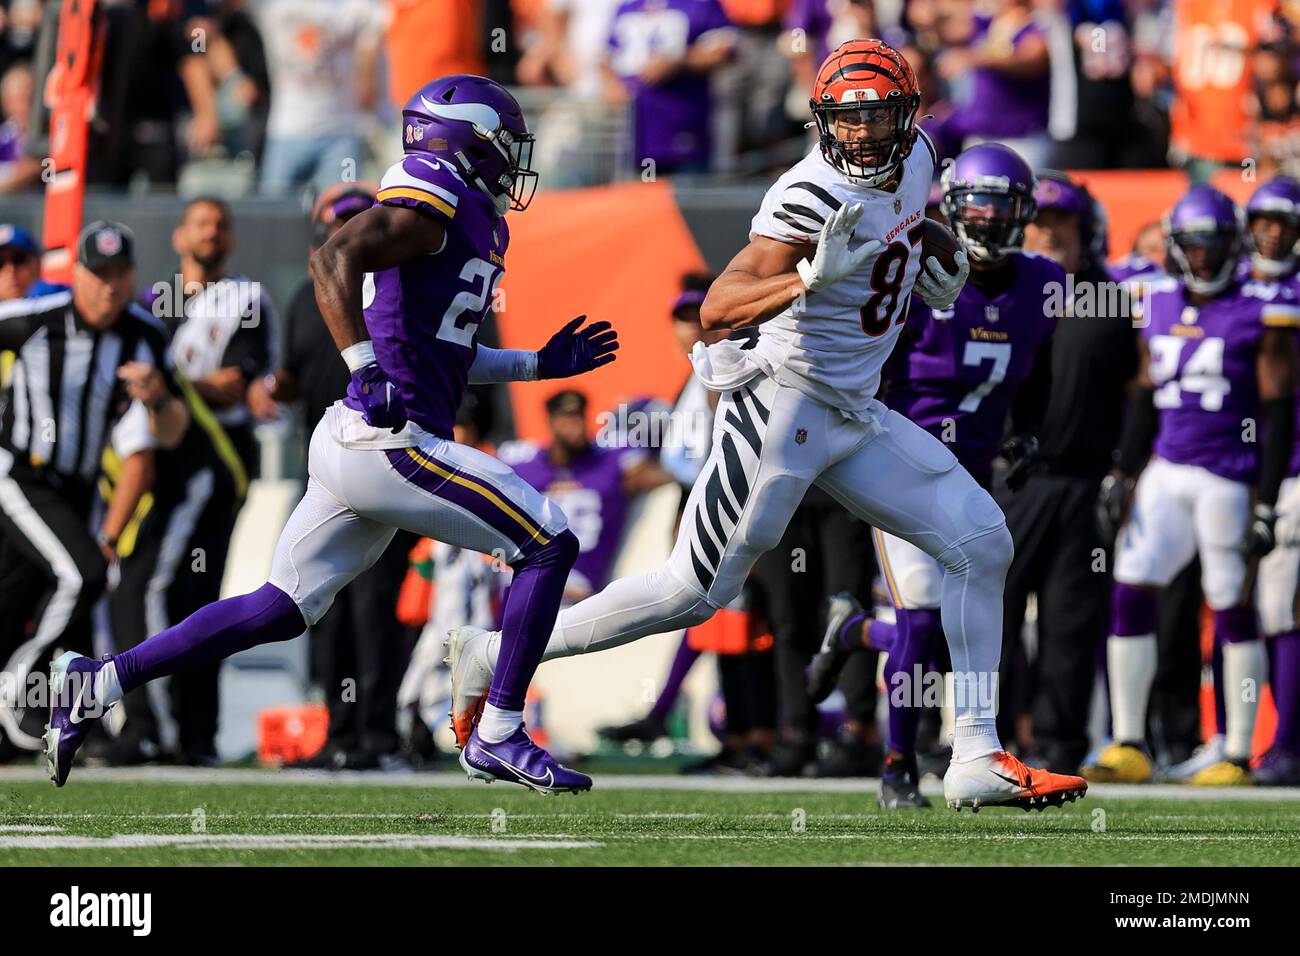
{"points": [[937, 286], [1287, 529], [834, 259]]}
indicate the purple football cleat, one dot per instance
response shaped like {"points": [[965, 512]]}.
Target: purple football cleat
{"points": [[518, 760], [72, 712]]}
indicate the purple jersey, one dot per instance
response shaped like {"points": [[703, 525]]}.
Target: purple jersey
{"points": [[589, 490], [1000, 105], [1134, 267], [960, 369], [1202, 364], [424, 314], [672, 119]]}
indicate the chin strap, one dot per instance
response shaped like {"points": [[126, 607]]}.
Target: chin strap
{"points": [[1272, 268], [502, 203]]}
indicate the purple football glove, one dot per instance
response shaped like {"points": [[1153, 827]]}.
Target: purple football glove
{"points": [[379, 401], [572, 351]]}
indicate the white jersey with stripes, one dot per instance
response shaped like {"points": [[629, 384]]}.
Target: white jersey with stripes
{"points": [[833, 344]]}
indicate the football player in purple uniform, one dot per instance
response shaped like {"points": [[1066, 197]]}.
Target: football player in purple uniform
{"points": [[593, 486], [403, 288], [956, 372], [1205, 447], [1273, 224]]}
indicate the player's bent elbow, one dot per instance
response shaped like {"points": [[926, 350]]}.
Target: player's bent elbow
{"points": [[714, 317], [321, 263]]}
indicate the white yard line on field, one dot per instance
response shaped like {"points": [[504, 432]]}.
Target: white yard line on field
{"points": [[263, 841], [29, 828], [532, 841], [861, 786]]}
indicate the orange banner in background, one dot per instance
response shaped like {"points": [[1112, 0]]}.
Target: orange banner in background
{"points": [[616, 253], [1133, 198]]}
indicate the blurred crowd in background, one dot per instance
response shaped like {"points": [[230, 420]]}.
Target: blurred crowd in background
{"points": [[293, 98], [270, 97]]}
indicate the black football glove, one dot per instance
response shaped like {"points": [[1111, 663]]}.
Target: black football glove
{"points": [[1112, 502], [1022, 457], [1260, 537]]}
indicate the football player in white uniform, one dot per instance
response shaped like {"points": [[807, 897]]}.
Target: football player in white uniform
{"points": [[833, 257]]}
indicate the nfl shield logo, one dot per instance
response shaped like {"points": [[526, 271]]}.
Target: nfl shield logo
{"points": [[898, 205], [1190, 314], [990, 313], [801, 436], [108, 242]]}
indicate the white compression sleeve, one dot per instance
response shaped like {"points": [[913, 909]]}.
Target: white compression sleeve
{"points": [[502, 365]]}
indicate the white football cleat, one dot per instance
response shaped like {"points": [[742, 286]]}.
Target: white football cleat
{"points": [[1206, 755], [471, 675], [1001, 780]]}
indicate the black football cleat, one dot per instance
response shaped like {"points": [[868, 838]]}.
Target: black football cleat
{"points": [[829, 661], [647, 730], [900, 785]]}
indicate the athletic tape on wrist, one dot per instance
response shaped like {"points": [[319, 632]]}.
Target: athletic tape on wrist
{"points": [[360, 355]]}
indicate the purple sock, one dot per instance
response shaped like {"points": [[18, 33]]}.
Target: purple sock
{"points": [[1285, 681], [882, 635], [849, 636], [529, 617], [1233, 625], [683, 660], [916, 633], [212, 633], [1216, 672], [1132, 611]]}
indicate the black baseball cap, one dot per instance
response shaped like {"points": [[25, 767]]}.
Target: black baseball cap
{"points": [[101, 243]]}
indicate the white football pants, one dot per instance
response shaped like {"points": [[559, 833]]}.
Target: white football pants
{"points": [[770, 442]]}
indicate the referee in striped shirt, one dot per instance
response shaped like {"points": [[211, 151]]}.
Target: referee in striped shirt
{"points": [[88, 373]]}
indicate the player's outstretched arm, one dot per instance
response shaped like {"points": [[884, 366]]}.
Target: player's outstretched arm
{"points": [[768, 275], [570, 351]]}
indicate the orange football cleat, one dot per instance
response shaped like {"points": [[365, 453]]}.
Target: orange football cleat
{"points": [[1001, 780], [471, 675]]}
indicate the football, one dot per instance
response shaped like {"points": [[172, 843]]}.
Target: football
{"points": [[939, 241]]}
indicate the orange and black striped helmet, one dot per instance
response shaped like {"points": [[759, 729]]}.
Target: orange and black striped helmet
{"points": [[864, 103]]}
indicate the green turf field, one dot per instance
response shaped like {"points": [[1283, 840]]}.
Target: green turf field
{"points": [[139, 819]]}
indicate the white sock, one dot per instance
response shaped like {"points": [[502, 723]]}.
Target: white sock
{"points": [[1244, 667], [107, 690], [627, 609], [1131, 664], [975, 737], [496, 724]]}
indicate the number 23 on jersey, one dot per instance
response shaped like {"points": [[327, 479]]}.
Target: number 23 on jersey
{"points": [[455, 326]]}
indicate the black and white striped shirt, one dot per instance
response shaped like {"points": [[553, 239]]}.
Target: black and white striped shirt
{"points": [[65, 402]]}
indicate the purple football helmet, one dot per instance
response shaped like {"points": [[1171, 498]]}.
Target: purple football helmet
{"points": [[475, 124], [988, 197], [1058, 191], [1203, 233], [1273, 218]]}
